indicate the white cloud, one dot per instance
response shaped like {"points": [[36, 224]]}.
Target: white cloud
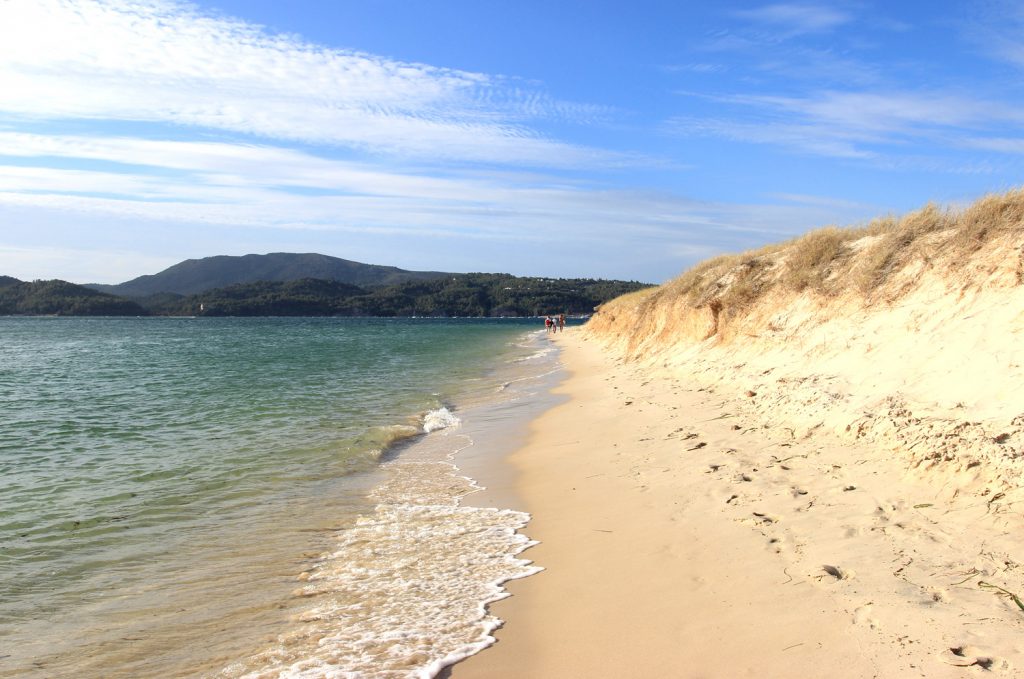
{"points": [[796, 19], [846, 124], [895, 111], [995, 28], [823, 140], [227, 165], [695, 67], [823, 201], [552, 217], [272, 187], [1012, 145], [81, 265], [163, 62]]}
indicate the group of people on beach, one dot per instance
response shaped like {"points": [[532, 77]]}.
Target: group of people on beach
{"points": [[555, 324]]}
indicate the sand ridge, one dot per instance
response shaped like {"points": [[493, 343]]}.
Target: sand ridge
{"points": [[684, 534]]}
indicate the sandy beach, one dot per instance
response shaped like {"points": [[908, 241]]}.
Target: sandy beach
{"points": [[682, 537], [800, 461]]}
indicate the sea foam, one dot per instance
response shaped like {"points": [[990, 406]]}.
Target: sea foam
{"points": [[442, 418], [404, 591]]}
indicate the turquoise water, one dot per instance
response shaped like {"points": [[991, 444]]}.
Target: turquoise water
{"points": [[165, 481]]}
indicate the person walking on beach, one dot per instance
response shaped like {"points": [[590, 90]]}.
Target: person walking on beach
{"points": [[548, 323], [561, 322]]}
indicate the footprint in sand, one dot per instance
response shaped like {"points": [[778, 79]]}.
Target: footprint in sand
{"points": [[969, 656], [765, 518], [837, 572], [862, 616]]}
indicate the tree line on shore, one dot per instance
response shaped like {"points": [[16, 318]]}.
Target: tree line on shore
{"points": [[472, 295]]}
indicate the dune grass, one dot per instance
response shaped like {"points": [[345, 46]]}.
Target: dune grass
{"points": [[831, 261]]}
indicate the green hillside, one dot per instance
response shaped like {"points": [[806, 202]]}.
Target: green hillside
{"points": [[194, 276], [62, 298]]}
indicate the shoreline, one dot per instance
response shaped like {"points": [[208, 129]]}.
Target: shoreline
{"points": [[496, 432], [682, 537]]}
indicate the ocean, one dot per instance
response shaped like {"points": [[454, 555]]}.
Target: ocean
{"points": [[256, 497]]}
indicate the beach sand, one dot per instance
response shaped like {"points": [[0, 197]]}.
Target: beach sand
{"points": [[686, 534]]}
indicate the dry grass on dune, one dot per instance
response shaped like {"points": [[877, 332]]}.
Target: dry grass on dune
{"points": [[833, 261]]}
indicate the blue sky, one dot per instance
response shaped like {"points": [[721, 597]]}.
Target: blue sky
{"points": [[556, 138]]}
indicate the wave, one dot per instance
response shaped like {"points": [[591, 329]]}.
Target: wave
{"points": [[368, 449], [540, 353], [442, 418]]}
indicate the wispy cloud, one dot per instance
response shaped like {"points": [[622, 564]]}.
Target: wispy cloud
{"points": [[279, 188], [163, 62], [893, 111], [666, 233], [797, 42], [791, 19], [846, 124], [695, 67], [805, 137], [995, 29], [83, 265], [1010, 145], [229, 165], [284, 193]]}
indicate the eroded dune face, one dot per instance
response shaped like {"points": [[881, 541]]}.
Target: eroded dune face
{"points": [[904, 333]]}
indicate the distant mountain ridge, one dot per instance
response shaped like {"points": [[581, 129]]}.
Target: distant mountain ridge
{"points": [[194, 276]]}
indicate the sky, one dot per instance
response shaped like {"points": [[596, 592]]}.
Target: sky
{"points": [[540, 138]]}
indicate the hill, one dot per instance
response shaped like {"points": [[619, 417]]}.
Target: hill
{"points": [[193, 276], [62, 298], [8, 280]]}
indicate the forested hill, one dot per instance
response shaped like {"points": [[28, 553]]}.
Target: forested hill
{"points": [[476, 294], [40, 298], [193, 276]]}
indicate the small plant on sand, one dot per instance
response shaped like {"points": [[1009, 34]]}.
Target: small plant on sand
{"points": [[1002, 592]]}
